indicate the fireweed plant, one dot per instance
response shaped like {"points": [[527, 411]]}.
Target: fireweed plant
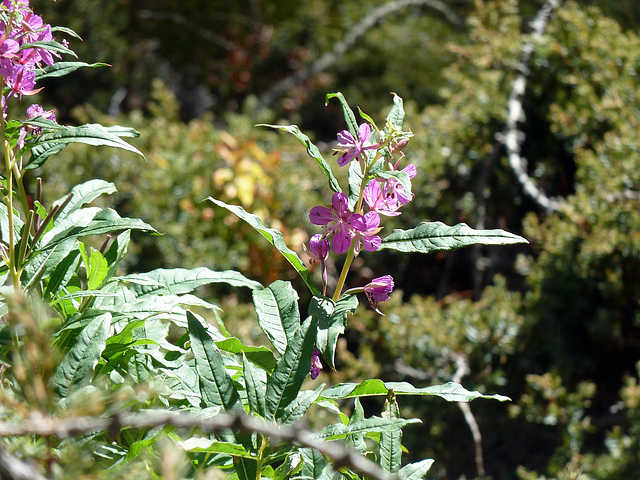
{"points": [[75, 333]]}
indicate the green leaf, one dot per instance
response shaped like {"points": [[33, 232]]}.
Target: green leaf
{"points": [[396, 115], [78, 364], [391, 442], [291, 466], [312, 151], [416, 471], [429, 237], [49, 143], [365, 426], [50, 45], [208, 445], [60, 69], [216, 386], [349, 117], [89, 221], [108, 221], [261, 356], [401, 177], [296, 409], [117, 251], [4, 224], [452, 392], [291, 370], [356, 440], [97, 271], [332, 320], [274, 237], [255, 380], [355, 180], [316, 466], [278, 315], [180, 280], [57, 265], [83, 194]]}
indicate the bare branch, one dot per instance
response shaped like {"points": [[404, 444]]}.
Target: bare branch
{"points": [[355, 33], [188, 24], [513, 138], [339, 455], [462, 369]]}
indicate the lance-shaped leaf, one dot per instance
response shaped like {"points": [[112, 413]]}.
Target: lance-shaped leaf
{"points": [[356, 440], [292, 368], [365, 426], [391, 442], [349, 117], [261, 356], [49, 143], [300, 405], [89, 221], [396, 115], [290, 467], [452, 392], [209, 445], [255, 381], [216, 386], [83, 194], [332, 320], [274, 237], [60, 69], [278, 314], [312, 151], [50, 45], [355, 180], [416, 471], [79, 362], [429, 237], [117, 251], [178, 281], [316, 466]]}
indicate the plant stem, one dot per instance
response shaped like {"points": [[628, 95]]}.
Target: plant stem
{"points": [[351, 254]]}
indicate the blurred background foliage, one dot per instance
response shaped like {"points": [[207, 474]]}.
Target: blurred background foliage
{"points": [[554, 325]]}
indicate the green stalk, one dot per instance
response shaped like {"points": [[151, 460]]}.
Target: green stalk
{"points": [[351, 254], [260, 461]]}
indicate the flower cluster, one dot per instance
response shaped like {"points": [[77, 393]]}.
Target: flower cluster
{"points": [[352, 228], [23, 49], [351, 225]]}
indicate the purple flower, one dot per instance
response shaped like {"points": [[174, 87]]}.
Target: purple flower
{"points": [[36, 110], [378, 290], [340, 222], [351, 147], [319, 252], [8, 47], [367, 234], [18, 78], [399, 189], [316, 364], [387, 197], [381, 199]]}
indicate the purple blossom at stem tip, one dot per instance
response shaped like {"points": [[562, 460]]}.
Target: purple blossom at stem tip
{"points": [[351, 147], [316, 364], [340, 222], [378, 290]]}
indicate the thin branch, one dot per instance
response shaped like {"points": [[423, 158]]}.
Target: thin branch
{"points": [[513, 138], [355, 33], [339, 455], [189, 25], [462, 369]]}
